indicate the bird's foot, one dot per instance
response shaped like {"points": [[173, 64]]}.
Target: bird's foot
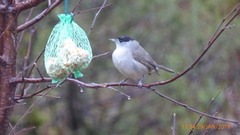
{"points": [[123, 81], [140, 81], [140, 84]]}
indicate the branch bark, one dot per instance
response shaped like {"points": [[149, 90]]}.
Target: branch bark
{"points": [[8, 25], [8, 52], [39, 16], [230, 17], [27, 5]]}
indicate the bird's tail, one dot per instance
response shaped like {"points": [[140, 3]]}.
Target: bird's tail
{"points": [[166, 69]]}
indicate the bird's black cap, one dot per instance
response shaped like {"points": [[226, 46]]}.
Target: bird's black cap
{"points": [[125, 39]]}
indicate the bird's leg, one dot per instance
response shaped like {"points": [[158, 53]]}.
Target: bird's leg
{"points": [[140, 81], [123, 81]]}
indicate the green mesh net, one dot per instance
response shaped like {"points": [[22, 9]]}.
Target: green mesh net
{"points": [[67, 51]]}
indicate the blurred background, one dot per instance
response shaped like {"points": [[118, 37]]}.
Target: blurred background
{"points": [[174, 32]]}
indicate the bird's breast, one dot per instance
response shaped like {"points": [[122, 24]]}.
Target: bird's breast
{"points": [[121, 54], [127, 65]]}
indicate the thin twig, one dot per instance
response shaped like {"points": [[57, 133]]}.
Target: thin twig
{"points": [[12, 106], [99, 55], [29, 49], [21, 6], [29, 110], [26, 58], [26, 89], [199, 58], [149, 86], [104, 85], [174, 124], [224, 19], [34, 91], [209, 128], [79, 2], [39, 16], [128, 97], [95, 17], [39, 72], [23, 32], [24, 129], [35, 61], [213, 99], [193, 110], [11, 127], [33, 94], [79, 12]]}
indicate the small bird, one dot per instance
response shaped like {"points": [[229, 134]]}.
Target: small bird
{"points": [[133, 61]]}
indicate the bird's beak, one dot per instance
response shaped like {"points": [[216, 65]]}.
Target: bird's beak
{"points": [[112, 39]]}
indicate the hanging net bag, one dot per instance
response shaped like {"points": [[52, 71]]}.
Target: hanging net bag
{"points": [[67, 51]]}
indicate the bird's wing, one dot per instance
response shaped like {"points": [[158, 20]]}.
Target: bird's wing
{"points": [[148, 61], [145, 59]]}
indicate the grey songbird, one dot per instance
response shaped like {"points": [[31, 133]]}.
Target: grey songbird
{"points": [[133, 61]]}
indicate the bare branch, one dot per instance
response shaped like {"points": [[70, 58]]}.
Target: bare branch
{"points": [[39, 17], [39, 72], [213, 99], [29, 50], [231, 16], [30, 80], [224, 19], [79, 2], [107, 85], [12, 106], [92, 9], [193, 110], [95, 17], [99, 55], [32, 95], [24, 129], [27, 4], [35, 61], [29, 110], [174, 124], [21, 36], [128, 97], [210, 43]]}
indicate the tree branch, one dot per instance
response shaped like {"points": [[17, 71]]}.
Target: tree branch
{"points": [[213, 99], [39, 16], [30, 108], [27, 4], [108, 85], [193, 110], [231, 16], [95, 17], [210, 43], [97, 8]]}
